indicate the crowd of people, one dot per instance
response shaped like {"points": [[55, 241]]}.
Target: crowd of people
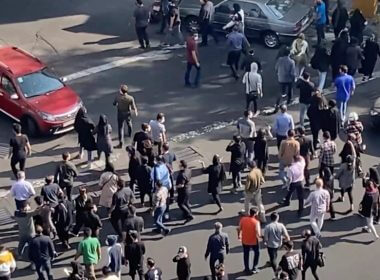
{"points": [[59, 214]]}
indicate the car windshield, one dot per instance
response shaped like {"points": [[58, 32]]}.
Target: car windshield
{"points": [[280, 7], [39, 83]]}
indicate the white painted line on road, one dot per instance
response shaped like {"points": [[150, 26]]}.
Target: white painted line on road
{"points": [[152, 55]]}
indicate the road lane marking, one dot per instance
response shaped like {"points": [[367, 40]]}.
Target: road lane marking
{"points": [[152, 55]]}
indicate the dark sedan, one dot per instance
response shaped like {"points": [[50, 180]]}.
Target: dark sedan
{"points": [[272, 21]]}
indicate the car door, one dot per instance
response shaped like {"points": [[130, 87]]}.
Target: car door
{"points": [[255, 20], [222, 14], [9, 98]]}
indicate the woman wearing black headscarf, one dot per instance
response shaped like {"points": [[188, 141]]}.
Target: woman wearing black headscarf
{"points": [[338, 52], [316, 115], [358, 23], [339, 18], [84, 126], [104, 139], [370, 53]]}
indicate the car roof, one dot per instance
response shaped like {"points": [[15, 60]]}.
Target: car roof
{"points": [[19, 62]]}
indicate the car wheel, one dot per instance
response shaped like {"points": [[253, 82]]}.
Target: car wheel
{"points": [[191, 23], [29, 126], [271, 40]]}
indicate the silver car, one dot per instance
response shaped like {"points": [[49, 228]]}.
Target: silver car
{"points": [[272, 21]]}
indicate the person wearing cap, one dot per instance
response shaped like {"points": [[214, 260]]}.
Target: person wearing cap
{"points": [[310, 253], [183, 264], [125, 104], [248, 59], [134, 255], [192, 57], [291, 261], [346, 177], [115, 254]]}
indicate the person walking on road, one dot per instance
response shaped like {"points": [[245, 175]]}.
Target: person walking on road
{"points": [[249, 59], [346, 177], [81, 201], [160, 204], [90, 249], [183, 186], [291, 261], [164, 9], [252, 192], [253, 88], [247, 131], [7, 263], [145, 182], [104, 137], [306, 151], [338, 52], [320, 201], [237, 149], [158, 131], [295, 177], [320, 10], [133, 166], [65, 173], [142, 138], [357, 25], [249, 233], [153, 273], [371, 52], [125, 104], [286, 73], [354, 57], [160, 173], [345, 87], [310, 254], [370, 205], [134, 255], [321, 62], [132, 223], [174, 37], [326, 156], [289, 149], [84, 126], [218, 246], [306, 88], [274, 233], [108, 186], [192, 57], [216, 175], [50, 191], [328, 184], [206, 15], [339, 18], [235, 43], [26, 229], [332, 120], [283, 123], [63, 218], [142, 16], [41, 253], [316, 114], [183, 264], [19, 149], [260, 148], [22, 191]]}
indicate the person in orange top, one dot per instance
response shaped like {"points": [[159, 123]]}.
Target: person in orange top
{"points": [[7, 263], [249, 233]]}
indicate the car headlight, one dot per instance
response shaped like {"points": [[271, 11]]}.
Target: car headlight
{"points": [[373, 112], [47, 117]]}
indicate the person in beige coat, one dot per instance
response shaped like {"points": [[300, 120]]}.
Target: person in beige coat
{"points": [[252, 192], [108, 185], [289, 148]]}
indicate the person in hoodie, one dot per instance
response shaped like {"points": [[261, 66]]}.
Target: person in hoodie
{"points": [[183, 264], [339, 18], [253, 87], [115, 254], [286, 74]]}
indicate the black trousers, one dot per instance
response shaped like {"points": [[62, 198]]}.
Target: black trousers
{"points": [[121, 120], [63, 235], [207, 29], [322, 166], [236, 179], [136, 269], [320, 33], [143, 193], [298, 187], [68, 189], [233, 59], [251, 98], [20, 162], [349, 192], [216, 198], [286, 89], [79, 222], [261, 164], [142, 36], [117, 221], [272, 252], [213, 259], [313, 268], [279, 140], [183, 202]]}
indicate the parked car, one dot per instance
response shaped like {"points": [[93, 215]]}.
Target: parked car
{"points": [[32, 95], [272, 21], [375, 113]]}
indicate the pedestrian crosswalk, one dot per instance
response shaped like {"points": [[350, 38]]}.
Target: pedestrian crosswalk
{"points": [[4, 149]]}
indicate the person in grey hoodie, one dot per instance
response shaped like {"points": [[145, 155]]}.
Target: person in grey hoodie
{"points": [[286, 74]]}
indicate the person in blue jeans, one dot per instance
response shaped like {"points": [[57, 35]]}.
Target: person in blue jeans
{"points": [[345, 87], [192, 60], [160, 199], [320, 10]]}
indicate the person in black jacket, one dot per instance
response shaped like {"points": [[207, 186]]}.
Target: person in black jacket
{"points": [[183, 186], [370, 53], [84, 126], [316, 114], [310, 253], [65, 174], [92, 220], [80, 207], [306, 88], [134, 255], [338, 52], [248, 60], [261, 149], [357, 23], [321, 62], [41, 253], [183, 264], [63, 218], [332, 120], [133, 167], [216, 175], [339, 18], [237, 149], [306, 151], [354, 56], [144, 181]]}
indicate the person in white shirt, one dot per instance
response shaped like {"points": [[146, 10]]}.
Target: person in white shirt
{"points": [[22, 190], [158, 131], [253, 87], [320, 201]]}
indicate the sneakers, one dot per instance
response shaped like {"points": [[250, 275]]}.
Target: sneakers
{"points": [[255, 270], [167, 231]]}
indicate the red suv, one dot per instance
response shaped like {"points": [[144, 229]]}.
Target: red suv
{"points": [[33, 96]]}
